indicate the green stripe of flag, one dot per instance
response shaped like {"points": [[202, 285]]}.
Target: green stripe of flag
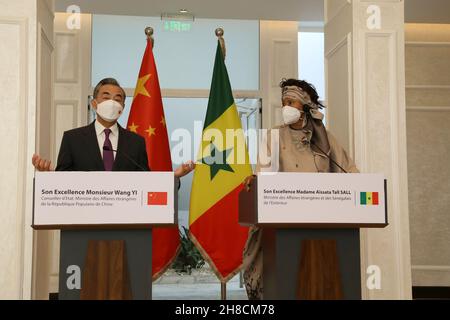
{"points": [[221, 96], [363, 198]]}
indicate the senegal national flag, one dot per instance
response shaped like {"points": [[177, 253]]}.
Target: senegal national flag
{"points": [[369, 198], [222, 166]]}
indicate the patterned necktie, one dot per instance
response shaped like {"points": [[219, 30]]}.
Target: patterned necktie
{"points": [[108, 156]]}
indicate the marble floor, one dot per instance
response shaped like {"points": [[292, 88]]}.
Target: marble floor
{"points": [[196, 288]]}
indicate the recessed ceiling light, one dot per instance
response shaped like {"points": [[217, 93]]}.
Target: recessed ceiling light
{"points": [[183, 11]]}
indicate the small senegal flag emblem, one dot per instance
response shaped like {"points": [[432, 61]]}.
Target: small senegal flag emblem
{"points": [[369, 198]]}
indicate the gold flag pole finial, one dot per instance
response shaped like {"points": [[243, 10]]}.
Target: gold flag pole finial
{"points": [[219, 34], [149, 34]]}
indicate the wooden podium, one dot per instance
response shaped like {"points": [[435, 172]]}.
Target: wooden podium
{"points": [[310, 225], [106, 221]]}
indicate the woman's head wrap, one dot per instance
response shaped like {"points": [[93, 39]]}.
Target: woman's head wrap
{"points": [[297, 93], [319, 139]]}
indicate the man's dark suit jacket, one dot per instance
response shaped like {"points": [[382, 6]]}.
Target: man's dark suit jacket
{"points": [[80, 151]]}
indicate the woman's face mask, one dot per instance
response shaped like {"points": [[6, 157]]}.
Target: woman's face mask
{"points": [[292, 115], [109, 110]]}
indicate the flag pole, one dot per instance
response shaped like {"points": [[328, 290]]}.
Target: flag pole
{"points": [[149, 32], [223, 291], [219, 33]]}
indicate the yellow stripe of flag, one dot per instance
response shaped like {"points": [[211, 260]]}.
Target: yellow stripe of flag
{"points": [[212, 191]]}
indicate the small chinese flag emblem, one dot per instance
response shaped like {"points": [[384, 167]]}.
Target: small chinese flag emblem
{"points": [[157, 199]]}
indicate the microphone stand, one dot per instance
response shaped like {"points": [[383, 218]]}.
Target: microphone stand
{"points": [[106, 148]]}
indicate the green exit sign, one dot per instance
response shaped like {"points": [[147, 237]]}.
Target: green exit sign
{"points": [[177, 26]]}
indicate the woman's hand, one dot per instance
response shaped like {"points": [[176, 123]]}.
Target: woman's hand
{"points": [[248, 182], [41, 164], [184, 169]]}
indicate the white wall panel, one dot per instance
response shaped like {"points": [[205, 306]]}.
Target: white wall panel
{"points": [[428, 118], [365, 93], [12, 45], [278, 60]]}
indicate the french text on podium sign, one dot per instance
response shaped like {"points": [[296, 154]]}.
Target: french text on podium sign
{"points": [[89, 198], [321, 198]]}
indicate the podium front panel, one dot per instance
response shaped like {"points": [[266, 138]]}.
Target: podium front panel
{"points": [[73, 254], [282, 252]]}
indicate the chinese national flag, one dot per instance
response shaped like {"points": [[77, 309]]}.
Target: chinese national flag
{"points": [[157, 199], [147, 119]]}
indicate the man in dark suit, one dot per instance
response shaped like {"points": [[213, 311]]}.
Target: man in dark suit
{"points": [[92, 148]]}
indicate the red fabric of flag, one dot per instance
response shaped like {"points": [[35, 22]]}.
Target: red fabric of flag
{"points": [[147, 119], [375, 198]]}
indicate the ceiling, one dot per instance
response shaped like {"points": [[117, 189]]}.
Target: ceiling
{"points": [[417, 11], [288, 10], [427, 11]]}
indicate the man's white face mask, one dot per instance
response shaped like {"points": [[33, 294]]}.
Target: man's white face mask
{"points": [[109, 110], [291, 115]]}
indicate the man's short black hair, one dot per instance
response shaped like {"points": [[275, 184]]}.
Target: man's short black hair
{"points": [[108, 81]]}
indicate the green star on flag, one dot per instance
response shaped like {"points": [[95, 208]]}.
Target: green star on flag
{"points": [[222, 165]]}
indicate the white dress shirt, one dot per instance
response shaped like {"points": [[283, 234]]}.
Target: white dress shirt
{"points": [[113, 136]]}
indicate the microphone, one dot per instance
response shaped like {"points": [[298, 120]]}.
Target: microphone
{"points": [[306, 108], [331, 159], [107, 148]]}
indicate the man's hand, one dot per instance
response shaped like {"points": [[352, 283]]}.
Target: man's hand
{"points": [[184, 169], [41, 164]]}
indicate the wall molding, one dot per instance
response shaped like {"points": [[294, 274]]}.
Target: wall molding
{"points": [[25, 201], [74, 104], [277, 72], [429, 108], [427, 87], [43, 36], [42, 39], [431, 276], [346, 39], [390, 36], [431, 268], [395, 139], [46, 15], [426, 44], [344, 42], [76, 42], [351, 113]]}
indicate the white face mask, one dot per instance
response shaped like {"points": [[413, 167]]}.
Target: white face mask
{"points": [[109, 110], [291, 115]]}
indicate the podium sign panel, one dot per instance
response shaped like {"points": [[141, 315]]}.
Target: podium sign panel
{"points": [[103, 198], [322, 199]]}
